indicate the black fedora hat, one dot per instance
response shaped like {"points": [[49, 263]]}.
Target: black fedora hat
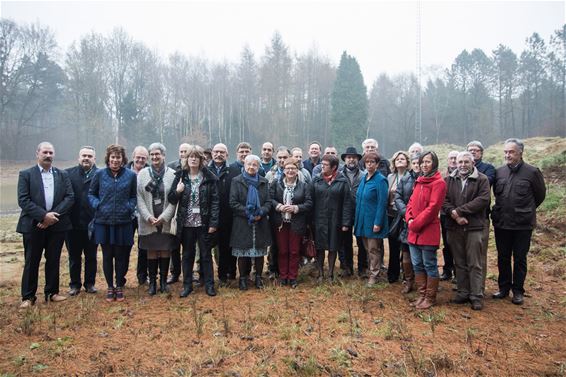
{"points": [[351, 151]]}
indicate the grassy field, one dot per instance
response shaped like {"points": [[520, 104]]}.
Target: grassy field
{"points": [[342, 329]]}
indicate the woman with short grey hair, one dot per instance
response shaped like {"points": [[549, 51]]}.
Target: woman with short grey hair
{"points": [[155, 214]]}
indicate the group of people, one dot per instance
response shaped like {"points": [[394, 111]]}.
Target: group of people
{"points": [[270, 206]]}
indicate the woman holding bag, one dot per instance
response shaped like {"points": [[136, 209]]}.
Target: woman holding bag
{"points": [[195, 190]]}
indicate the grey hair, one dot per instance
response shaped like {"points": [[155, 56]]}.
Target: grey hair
{"points": [[475, 143], [517, 142], [367, 141], [159, 146], [417, 145], [251, 157], [465, 154], [453, 152], [44, 144], [283, 148], [88, 147]]}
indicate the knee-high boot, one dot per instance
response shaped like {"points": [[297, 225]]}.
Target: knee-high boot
{"points": [[152, 270], [163, 270], [431, 290], [420, 280]]}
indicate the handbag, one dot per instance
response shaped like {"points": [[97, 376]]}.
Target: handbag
{"points": [[173, 227], [307, 246]]}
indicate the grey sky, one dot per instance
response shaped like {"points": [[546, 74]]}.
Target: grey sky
{"points": [[381, 35]]}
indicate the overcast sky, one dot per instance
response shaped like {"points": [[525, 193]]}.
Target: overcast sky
{"points": [[381, 35]]}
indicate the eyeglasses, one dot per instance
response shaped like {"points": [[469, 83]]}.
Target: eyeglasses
{"points": [[371, 162]]}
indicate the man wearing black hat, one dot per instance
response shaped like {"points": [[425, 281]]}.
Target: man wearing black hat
{"points": [[354, 175]]}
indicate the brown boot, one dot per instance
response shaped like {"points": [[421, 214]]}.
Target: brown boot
{"points": [[431, 290], [409, 277], [420, 281]]}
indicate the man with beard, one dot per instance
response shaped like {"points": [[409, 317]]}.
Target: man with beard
{"points": [[353, 174], [465, 208], [519, 189], [45, 195], [77, 239], [219, 167]]}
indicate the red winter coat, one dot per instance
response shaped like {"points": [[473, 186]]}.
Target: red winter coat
{"points": [[423, 208]]}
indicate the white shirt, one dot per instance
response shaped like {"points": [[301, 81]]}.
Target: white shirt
{"points": [[48, 186]]}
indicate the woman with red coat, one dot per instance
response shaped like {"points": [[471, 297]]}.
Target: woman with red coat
{"points": [[424, 228]]}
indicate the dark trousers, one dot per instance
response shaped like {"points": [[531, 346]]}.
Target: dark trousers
{"points": [[35, 242], [272, 257], [176, 262], [394, 267], [192, 236], [226, 261], [446, 251], [346, 252], [141, 267], [78, 244], [289, 248], [245, 266], [512, 244], [362, 255], [115, 259]]}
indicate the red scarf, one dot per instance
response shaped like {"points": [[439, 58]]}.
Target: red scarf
{"points": [[331, 177]]}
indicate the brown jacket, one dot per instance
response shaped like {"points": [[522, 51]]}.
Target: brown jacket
{"points": [[518, 192], [472, 202]]}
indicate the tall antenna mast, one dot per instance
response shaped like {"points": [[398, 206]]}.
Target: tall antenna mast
{"points": [[418, 118]]}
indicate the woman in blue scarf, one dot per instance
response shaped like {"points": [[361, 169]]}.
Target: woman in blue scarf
{"points": [[251, 236]]}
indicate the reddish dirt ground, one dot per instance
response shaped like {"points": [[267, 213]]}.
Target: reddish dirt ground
{"points": [[343, 329]]}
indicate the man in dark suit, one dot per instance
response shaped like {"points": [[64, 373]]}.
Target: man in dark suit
{"points": [[45, 196], [77, 239]]}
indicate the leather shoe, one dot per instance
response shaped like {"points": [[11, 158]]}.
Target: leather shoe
{"points": [[56, 297], [91, 289], [293, 283], [477, 305], [518, 299], [500, 295], [26, 304], [186, 291], [446, 275], [74, 291], [210, 291]]}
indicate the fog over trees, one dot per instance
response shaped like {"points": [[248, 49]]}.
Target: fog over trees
{"points": [[108, 87]]}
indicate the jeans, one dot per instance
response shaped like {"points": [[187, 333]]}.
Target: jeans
{"points": [[424, 260]]}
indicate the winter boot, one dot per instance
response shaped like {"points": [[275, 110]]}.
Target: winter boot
{"points": [[152, 269], [431, 290], [163, 271], [420, 281]]}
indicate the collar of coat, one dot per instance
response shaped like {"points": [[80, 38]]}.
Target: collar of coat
{"points": [[475, 174]]}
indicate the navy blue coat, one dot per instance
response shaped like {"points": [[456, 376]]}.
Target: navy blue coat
{"points": [[113, 198]]}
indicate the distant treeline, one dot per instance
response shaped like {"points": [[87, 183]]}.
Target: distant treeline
{"points": [[105, 84]]}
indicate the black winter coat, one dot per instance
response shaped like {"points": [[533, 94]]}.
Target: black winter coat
{"points": [[81, 213], [402, 196], [208, 199], [518, 192], [224, 181], [333, 209], [242, 232], [301, 198]]}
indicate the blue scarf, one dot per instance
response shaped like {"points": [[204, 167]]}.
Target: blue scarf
{"points": [[253, 206]]}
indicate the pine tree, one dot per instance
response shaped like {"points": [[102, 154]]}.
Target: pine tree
{"points": [[349, 113]]}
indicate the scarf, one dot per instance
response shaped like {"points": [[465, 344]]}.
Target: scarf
{"points": [[253, 206], [432, 172], [331, 177], [288, 195]]}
